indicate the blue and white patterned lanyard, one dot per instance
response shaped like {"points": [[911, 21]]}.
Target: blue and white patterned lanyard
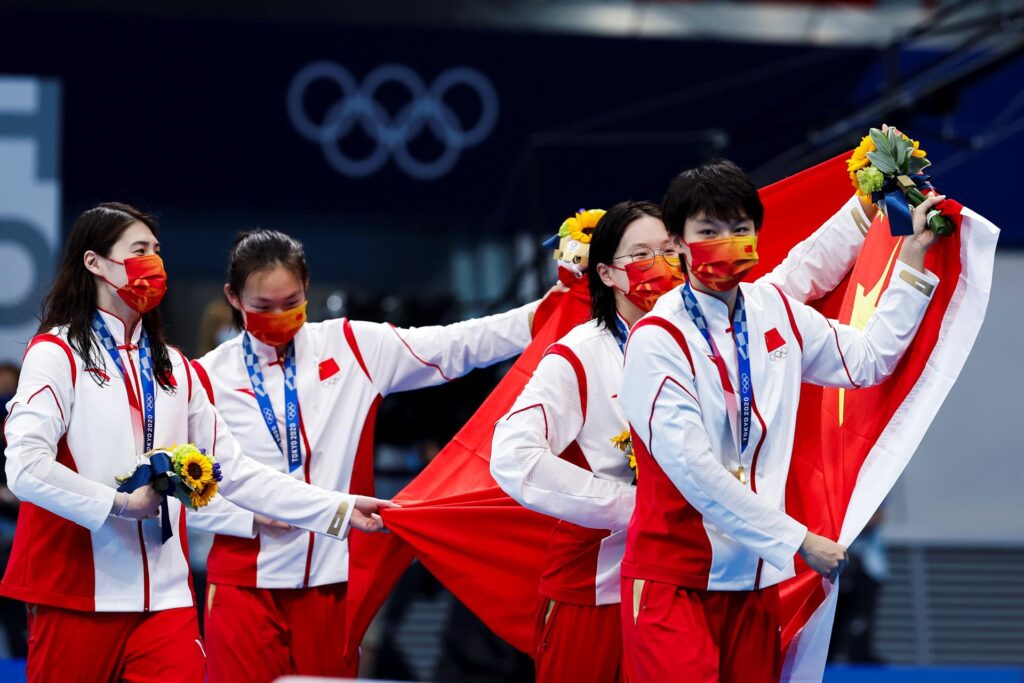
{"points": [[739, 334], [291, 401], [146, 375]]}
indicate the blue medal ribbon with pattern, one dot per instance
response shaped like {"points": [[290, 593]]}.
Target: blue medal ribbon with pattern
{"points": [[146, 375], [293, 448], [621, 333], [739, 334], [144, 474]]}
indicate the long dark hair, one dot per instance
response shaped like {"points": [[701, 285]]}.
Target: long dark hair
{"points": [[71, 300], [258, 250], [603, 245]]}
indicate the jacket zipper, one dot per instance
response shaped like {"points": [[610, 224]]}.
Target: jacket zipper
{"points": [[753, 481], [142, 540], [305, 467], [145, 569]]}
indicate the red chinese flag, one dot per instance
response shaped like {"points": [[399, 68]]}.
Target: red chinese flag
{"points": [[852, 445], [481, 544], [489, 551]]}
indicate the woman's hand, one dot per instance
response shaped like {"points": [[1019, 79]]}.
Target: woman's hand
{"points": [[558, 288], [915, 247], [142, 503], [824, 556], [366, 516]]}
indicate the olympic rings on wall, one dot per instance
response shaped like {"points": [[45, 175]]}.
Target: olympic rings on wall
{"points": [[391, 134]]}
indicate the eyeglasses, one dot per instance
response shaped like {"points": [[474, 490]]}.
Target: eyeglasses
{"points": [[646, 256]]}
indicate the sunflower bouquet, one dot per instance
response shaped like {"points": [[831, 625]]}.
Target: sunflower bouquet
{"points": [[624, 442], [197, 475], [888, 167], [183, 471]]}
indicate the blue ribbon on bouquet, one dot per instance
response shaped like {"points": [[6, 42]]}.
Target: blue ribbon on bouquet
{"points": [[155, 473], [897, 206]]}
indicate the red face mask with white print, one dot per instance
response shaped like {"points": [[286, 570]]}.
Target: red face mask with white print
{"points": [[146, 282], [721, 264], [275, 329], [649, 279]]}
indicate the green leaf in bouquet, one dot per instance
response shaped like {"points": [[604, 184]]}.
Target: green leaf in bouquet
{"points": [[881, 141], [917, 164], [183, 493], [882, 162], [903, 150], [893, 137]]}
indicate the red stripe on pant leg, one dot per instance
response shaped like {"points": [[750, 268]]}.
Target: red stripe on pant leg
{"points": [[311, 613], [246, 636], [580, 643]]}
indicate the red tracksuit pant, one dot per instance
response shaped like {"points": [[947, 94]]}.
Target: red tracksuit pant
{"points": [[254, 635], [68, 646], [578, 643], [672, 633]]}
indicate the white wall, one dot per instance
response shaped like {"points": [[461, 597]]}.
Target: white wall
{"points": [[965, 484]]}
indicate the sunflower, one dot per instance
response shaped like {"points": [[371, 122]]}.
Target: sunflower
{"points": [[196, 470], [860, 155], [622, 441], [581, 226], [918, 152], [203, 496]]}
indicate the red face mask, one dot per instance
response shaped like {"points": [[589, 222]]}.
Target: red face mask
{"points": [[147, 282], [275, 329], [647, 286], [720, 264]]}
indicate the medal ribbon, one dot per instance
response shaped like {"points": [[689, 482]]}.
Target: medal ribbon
{"points": [[739, 415], [291, 402], [143, 474]]}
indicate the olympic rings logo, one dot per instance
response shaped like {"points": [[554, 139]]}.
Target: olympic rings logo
{"points": [[391, 134]]}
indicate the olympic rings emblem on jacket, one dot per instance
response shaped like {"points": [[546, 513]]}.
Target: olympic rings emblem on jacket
{"points": [[391, 134]]}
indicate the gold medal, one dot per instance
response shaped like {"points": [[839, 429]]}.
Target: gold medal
{"points": [[741, 474]]}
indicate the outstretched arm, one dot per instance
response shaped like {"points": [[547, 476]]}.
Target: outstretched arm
{"points": [[525, 454]]}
